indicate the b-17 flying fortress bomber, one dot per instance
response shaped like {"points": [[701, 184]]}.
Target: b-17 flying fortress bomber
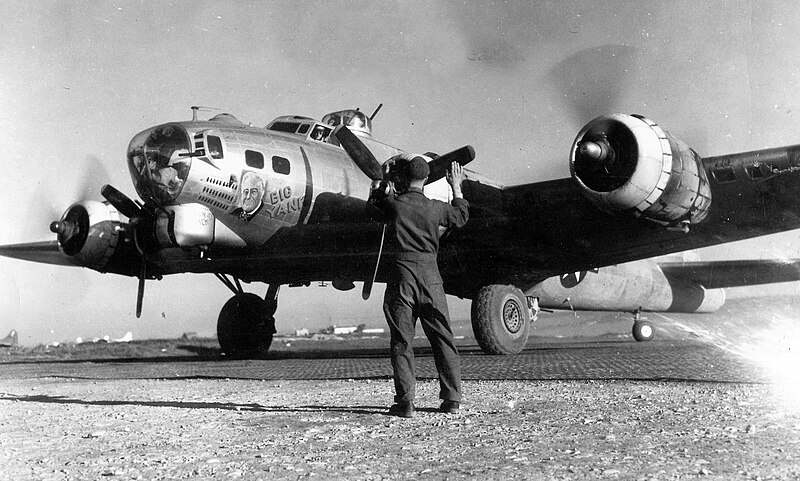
{"points": [[285, 205]]}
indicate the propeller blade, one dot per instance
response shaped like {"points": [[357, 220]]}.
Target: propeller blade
{"points": [[140, 291], [359, 152], [440, 164], [367, 290], [122, 202], [595, 81], [92, 177]]}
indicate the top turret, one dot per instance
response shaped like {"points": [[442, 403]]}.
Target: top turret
{"points": [[355, 120]]}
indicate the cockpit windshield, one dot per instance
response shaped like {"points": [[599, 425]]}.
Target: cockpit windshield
{"points": [[159, 162]]}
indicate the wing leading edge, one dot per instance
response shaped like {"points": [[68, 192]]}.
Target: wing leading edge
{"points": [[45, 252]]}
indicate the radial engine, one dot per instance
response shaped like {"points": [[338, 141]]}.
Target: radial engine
{"points": [[90, 232], [628, 164]]}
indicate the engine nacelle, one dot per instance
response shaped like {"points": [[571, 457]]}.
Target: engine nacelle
{"points": [[89, 231], [185, 225], [627, 163]]}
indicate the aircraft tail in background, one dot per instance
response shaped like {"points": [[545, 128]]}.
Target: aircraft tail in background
{"points": [[11, 340]]}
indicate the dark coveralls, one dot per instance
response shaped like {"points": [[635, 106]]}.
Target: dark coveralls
{"points": [[415, 288]]}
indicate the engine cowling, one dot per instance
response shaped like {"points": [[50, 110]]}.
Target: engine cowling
{"points": [[89, 231], [627, 163]]}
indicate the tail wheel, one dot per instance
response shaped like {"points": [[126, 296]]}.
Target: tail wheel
{"points": [[643, 331], [500, 319], [245, 326]]}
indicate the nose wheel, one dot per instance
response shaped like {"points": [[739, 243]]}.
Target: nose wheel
{"points": [[642, 329]]}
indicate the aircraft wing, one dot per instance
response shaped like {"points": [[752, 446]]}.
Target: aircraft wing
{"points": [[526, 233], [46, 252], [717, 274]]}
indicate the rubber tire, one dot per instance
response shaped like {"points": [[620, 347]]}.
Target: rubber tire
{"points": [[495, 335], [643, 331], [245, 327]]}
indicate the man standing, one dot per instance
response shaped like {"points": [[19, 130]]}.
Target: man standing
{"points": [[415, 287]]}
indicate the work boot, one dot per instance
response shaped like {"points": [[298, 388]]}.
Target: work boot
{"points": [[402, 409], [450, 407]]}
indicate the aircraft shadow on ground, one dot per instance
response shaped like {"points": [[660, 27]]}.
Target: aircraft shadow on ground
{"points": [[254, 407], [204, 353]]}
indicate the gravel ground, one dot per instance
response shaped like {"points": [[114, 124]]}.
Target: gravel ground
{"points": [[221, 429]]}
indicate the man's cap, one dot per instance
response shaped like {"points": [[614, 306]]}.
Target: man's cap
{"points": [[418, 168]]}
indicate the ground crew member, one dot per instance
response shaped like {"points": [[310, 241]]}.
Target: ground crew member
{"points": [[414, 289]]}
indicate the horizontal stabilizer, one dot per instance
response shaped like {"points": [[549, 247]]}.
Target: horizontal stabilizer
{"points": [[45, 252]]}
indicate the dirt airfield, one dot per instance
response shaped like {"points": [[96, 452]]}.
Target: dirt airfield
{"points": [[76, 428]]}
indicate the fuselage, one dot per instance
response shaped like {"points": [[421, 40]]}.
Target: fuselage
{"points": [[288, 191], [254, 181]]}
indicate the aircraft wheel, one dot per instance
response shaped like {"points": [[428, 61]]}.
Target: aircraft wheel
{"points": [[500, 319], [245, 326], [643, 331]]}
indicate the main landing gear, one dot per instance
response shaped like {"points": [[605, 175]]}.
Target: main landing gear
{"points": [[642, 330], [246, 322], [501, 318]]}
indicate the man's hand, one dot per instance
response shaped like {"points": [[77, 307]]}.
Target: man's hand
{"points": [[455, 175], [379, 190]]}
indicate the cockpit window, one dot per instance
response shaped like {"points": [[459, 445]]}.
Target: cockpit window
{"points": [[159, 161], [290, 127], [321, 133]]}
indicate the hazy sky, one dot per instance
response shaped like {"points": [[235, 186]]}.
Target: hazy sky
{"points": [[514, 79]]}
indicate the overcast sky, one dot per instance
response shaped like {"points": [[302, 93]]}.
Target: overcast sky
{"points": [[514, 79]]}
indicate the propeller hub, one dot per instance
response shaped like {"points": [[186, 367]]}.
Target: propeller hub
{"points": [[593, 150], [72, 229]]}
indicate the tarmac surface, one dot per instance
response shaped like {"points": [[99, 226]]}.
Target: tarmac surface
{"points": [[592, 407], [366, 358]]}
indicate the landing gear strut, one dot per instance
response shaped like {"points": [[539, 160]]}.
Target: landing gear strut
{"points": [[246, 322], [642, 330]]}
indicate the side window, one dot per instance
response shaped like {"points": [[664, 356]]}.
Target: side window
{"points": [[281, 165], [214, 146], [254, 159]]}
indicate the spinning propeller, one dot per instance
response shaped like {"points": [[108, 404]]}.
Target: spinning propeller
{"points": [[594, 82], [366, 161]]}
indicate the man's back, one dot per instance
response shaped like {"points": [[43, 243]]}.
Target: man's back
{"points": [[416, 220]]}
